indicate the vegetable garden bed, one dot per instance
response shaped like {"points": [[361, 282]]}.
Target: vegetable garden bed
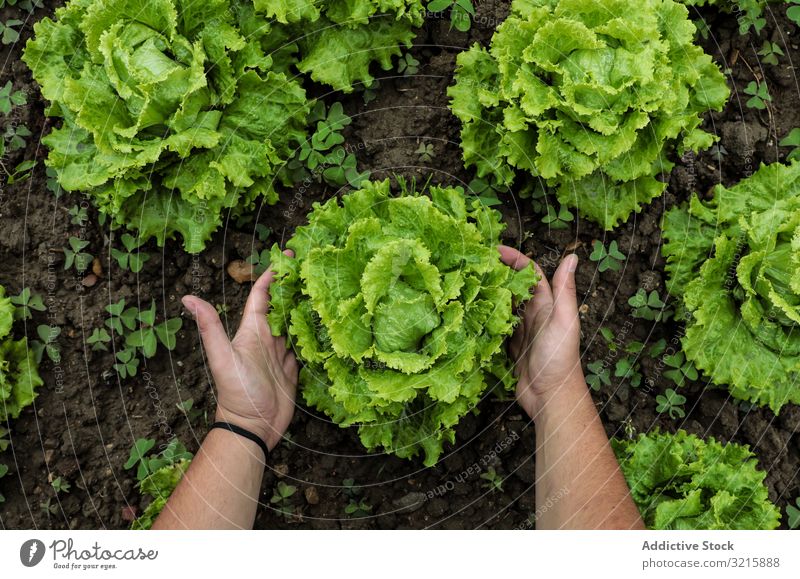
{"points": [[66, 461]]}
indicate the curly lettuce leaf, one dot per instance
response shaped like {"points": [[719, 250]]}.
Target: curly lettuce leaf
{"points": [[19, 377], [590, 96], [159, 485], [336, 42], [734, 262], [6, 313], [680, 481], [398, 307]]}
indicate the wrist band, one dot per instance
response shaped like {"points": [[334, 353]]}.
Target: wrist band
{"points": [[243, 432]]}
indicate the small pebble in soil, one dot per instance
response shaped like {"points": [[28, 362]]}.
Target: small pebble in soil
{"points": [[312, 495], [411, 502]]}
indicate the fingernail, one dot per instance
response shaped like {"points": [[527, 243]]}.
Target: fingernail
{"points": [[572, 263], [190, 307]]}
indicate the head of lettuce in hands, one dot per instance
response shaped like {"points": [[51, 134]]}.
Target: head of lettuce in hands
{"points": [[173, 110], [735, 263], [591, 96], [398, 308]]}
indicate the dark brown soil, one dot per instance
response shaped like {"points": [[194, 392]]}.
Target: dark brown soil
{"points": [[85, 420]]}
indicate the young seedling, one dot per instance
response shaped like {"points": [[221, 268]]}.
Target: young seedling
{"points": [[407, 65], [649, 306], [25, 302], [717, 152], [75, 256], [10, 98], [47, 335], [48, 507], [60, 485], [494, 481], [681, 368], [281, 499], [20, 172], [759, 95], [792, 514], [15, 137], [260, 261], [558, 219], [350, 489], [189, 411], [342, 169], [263, 232], [792, 140], [371, 92], [99, 339], [146, 465], [358, 509], [671, 402], [628, 369], [78, 215], [750, 20], [485, 191], [461, 12], [52, 182], [127, 363], [121, 320], [8, 30], [27, 5], [610, 339], [769, 53], [426, 152], [132, 257], [610, 258], [598, 375], [222, 309], [327, 135], [657, 348], [147, 336]]}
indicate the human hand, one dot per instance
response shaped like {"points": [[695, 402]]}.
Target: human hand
{"points": [[255, 374], [546, 345]]}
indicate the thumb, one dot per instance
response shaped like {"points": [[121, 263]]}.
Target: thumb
{"points": [[565, 302], [212, 332]]}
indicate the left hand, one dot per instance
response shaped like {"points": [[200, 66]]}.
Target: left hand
{"points": [[255, 374]]}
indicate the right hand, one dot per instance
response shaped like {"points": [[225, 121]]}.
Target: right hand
{"points": [[255, 374], [546, 345]]}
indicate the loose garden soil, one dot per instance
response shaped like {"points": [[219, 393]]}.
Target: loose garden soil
{"points": [[85, 419]]}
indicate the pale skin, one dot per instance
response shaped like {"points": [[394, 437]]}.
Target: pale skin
{"points": [[256, 379]]}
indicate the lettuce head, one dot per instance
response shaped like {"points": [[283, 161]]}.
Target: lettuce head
{"points": [[398, 308], [173, 111], [734, 261], [680, 481], [590, 96]]}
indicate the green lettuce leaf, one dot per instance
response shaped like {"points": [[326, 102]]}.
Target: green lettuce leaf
{"points": [[680, 481], [19, 377], [735, 262], [6, 313], [398, 308], [589, 95], [159, 486], [337, 41]]}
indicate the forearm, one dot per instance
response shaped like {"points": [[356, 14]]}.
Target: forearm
{"points": [[578, 481], [220, 489]]}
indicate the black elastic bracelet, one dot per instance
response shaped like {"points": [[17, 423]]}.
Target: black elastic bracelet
{"points": [[243, 432]]}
